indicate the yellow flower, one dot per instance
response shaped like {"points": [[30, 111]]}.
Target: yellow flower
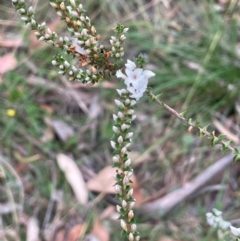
{"points": [[10, 112]]}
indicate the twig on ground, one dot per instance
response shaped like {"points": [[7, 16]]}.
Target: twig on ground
{"points": [[168, 202]]}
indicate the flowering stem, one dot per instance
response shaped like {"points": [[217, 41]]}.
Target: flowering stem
{"points": [[120, 144]]}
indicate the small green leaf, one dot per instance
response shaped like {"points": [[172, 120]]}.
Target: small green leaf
{"points": [[182, 113], [221, 137]]}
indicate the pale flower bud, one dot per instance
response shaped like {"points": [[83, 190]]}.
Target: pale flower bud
{"points": [[73, 3], [130, 112], [115, 117], [124, 150], [120, 139], [137, 238], [84, 32], [127, 163], [124, 127], [54, 62], [62, 6], [119, 103], [115, 129], [113, 144], [115, 159], [124, 204], [125, 180], [134, 117], [131, 237], [118, 208], [133, 102], [127, 101], [133, 227], [120, 115], [129, 135], [54, 5], [123, 225], [119, 92], [131, 204], [130, 193], [118, 188], [122, 37], [130, 215], [66, 64]]}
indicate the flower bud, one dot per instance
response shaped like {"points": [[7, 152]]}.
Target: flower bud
{"points": [[123, 225], [124, 150], [120, 115], [130, 215], [54, 5], [124, 127], [130, 112], [119, 103], [130, 193], [73, 3], [133, 227], [125, 180], [131, 204], [127, 163], [131, 237], [118, 188], [129, 135], [62, 6], [115, 159], [124, 204], [54, 62], [118, 208], [113, 144], [115, 117], [115, 129], [120, 140]]}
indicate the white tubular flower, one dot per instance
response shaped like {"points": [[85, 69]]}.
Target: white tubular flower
{"points": [[120, 74], [217, 212], [235, 231], [78, 49], [130, 65], [136, 79], [135, 76], [224, 224]]}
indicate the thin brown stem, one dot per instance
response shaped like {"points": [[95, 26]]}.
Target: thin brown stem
{"points": [[203, 131]]}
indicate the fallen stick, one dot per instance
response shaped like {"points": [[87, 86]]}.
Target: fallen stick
{"points": [[169, 201]]}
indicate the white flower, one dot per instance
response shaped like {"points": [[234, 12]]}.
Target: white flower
{"points": [[135, 76], [130, 65], [224, 224], [217, 212], [136, 79], [235, 231], [120, 74], [78, 49]]}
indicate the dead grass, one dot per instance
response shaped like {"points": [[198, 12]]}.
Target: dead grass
{"points": [[175, 36]]}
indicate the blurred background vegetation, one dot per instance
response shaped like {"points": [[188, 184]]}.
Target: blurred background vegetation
{"points": [[194, 49]]}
